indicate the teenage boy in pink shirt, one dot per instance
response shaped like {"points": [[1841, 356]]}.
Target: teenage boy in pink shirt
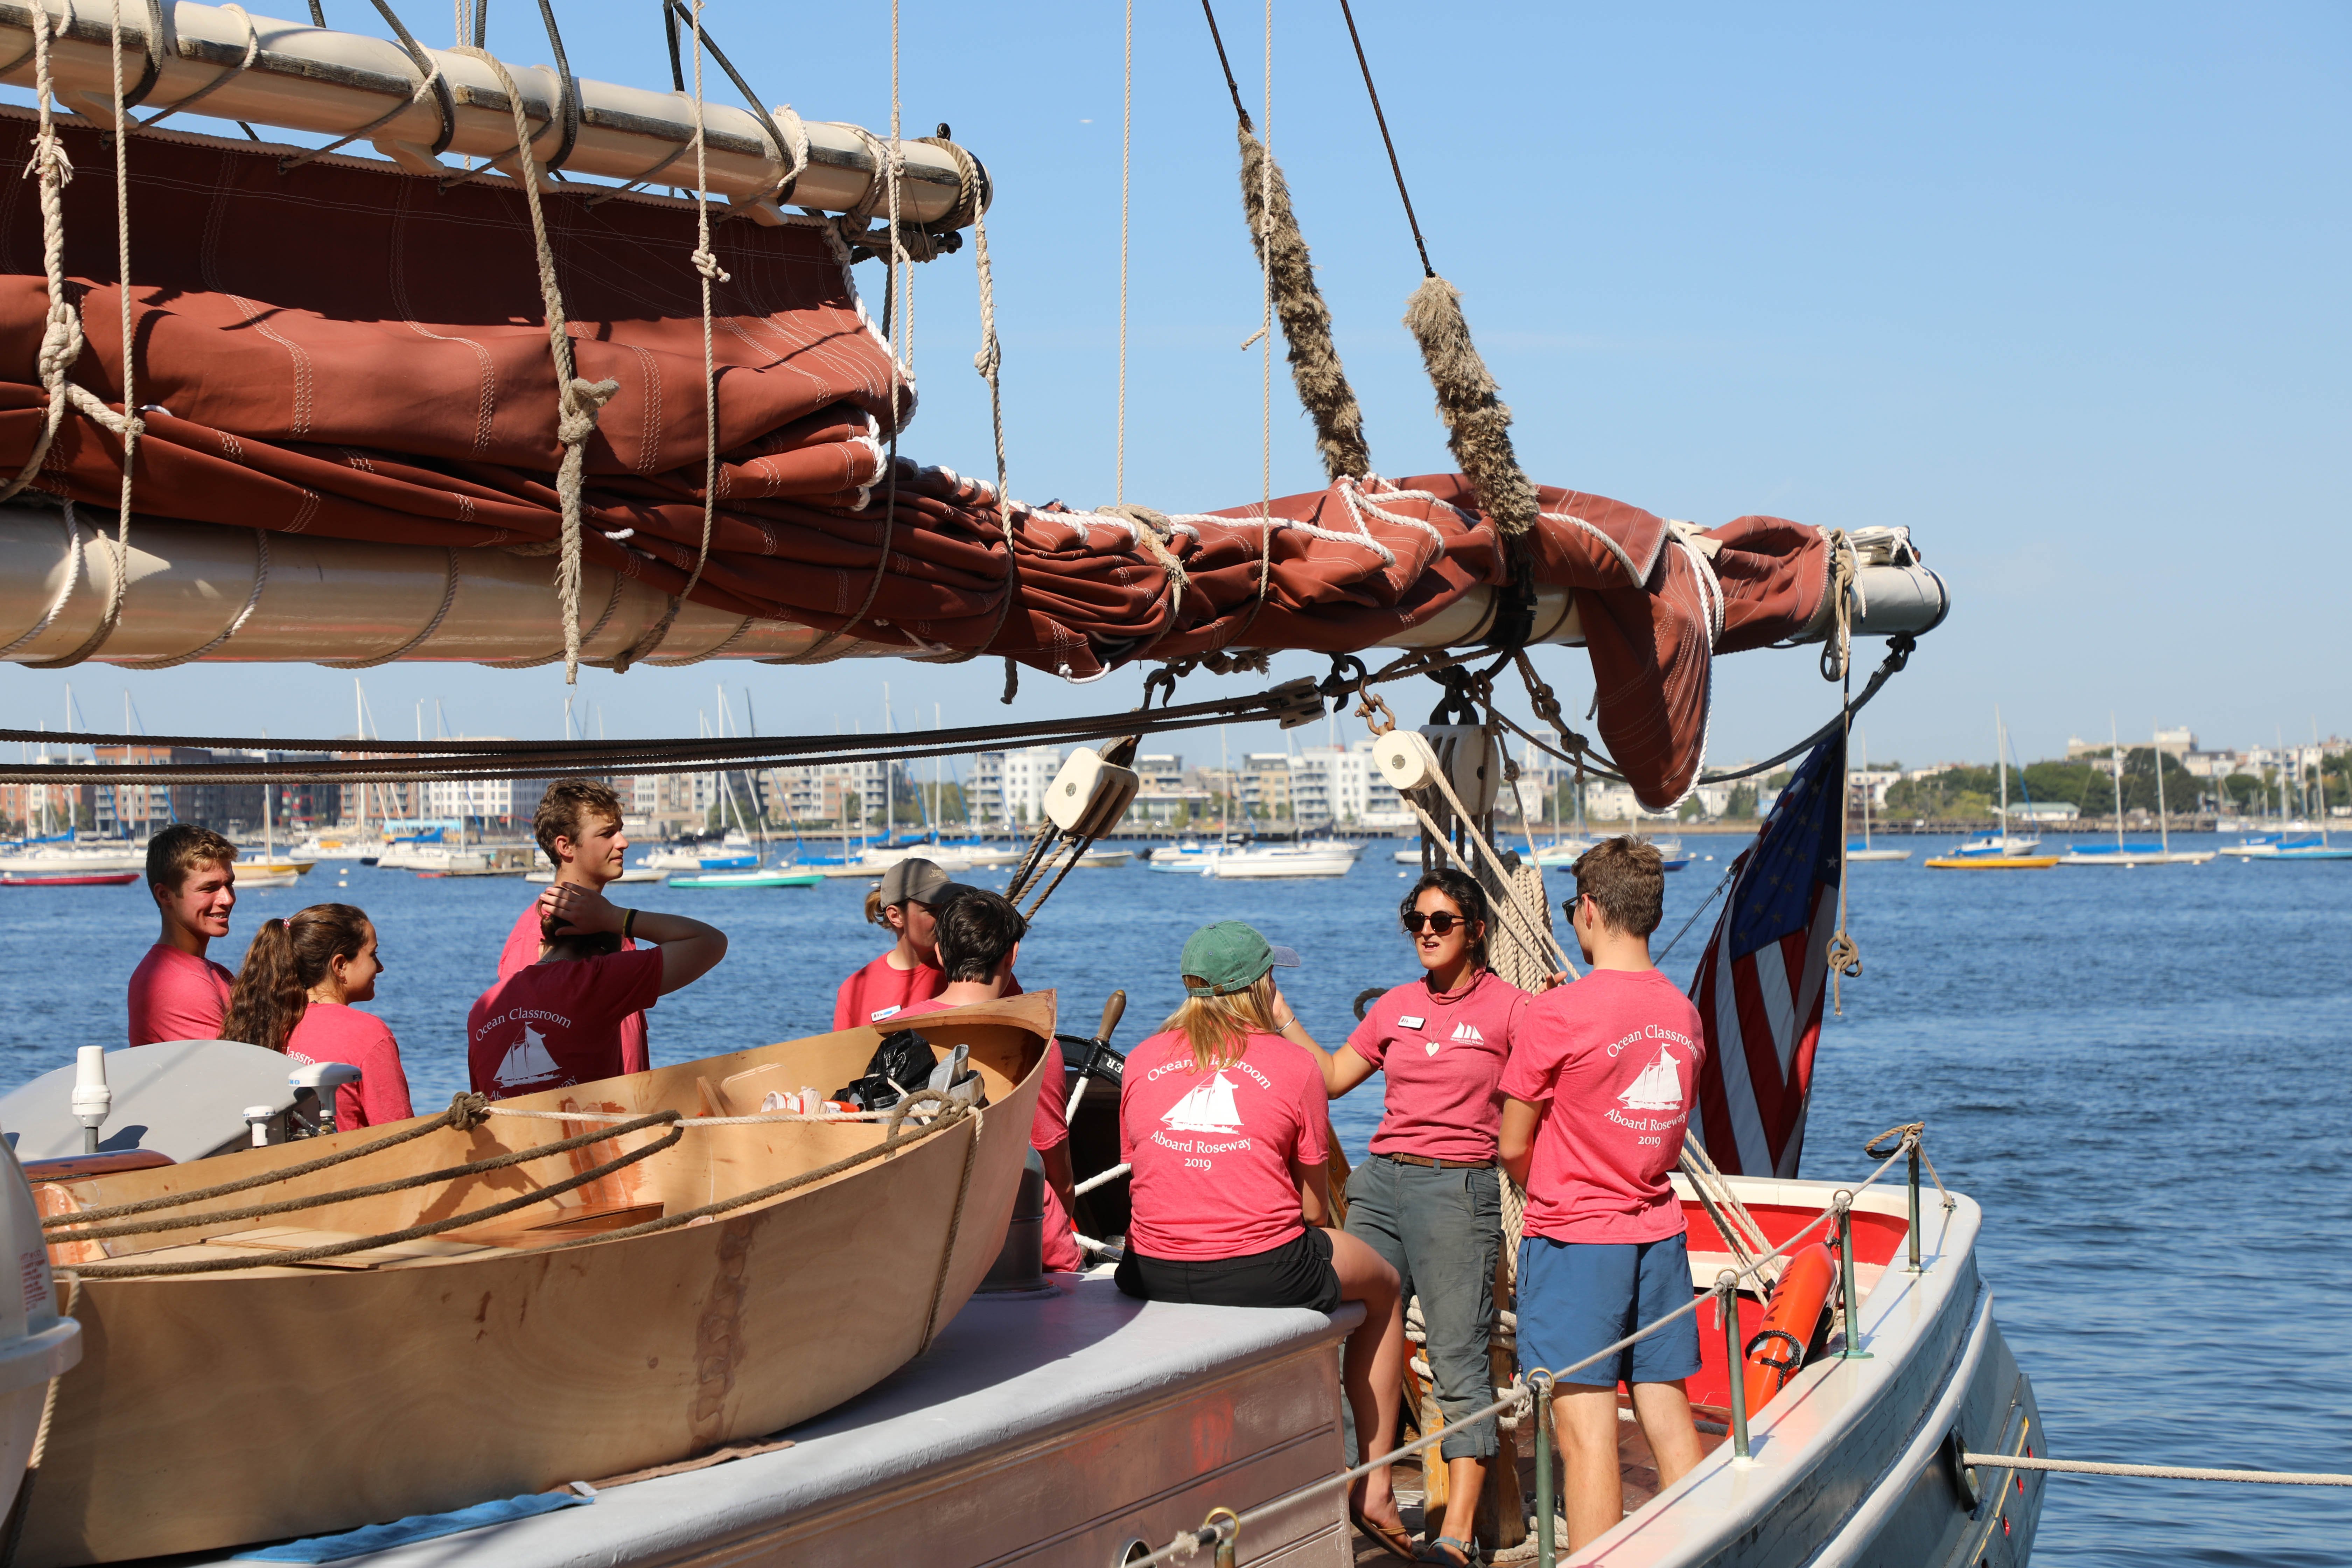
{"points": [[176, 993], [558, 1021], [979, 937], [1599, 1095], [1429, 1200], [578, 824]]}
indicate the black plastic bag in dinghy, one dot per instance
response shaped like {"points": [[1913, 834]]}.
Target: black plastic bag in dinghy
{"points": [[901, 1064]]}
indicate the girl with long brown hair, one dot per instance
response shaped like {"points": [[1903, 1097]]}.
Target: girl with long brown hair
{"points": [[295, 992]]}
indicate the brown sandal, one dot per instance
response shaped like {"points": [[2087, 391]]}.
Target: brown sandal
{"points": [[1392, 1537]]}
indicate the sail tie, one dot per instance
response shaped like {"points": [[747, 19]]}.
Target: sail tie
{"points": [[578, 399]]}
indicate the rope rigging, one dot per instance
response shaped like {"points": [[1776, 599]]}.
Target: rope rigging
{"points": [[1300, 700]]}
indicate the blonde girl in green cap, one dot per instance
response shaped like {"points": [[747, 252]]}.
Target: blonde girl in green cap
{"points": [[1223, 1117]]}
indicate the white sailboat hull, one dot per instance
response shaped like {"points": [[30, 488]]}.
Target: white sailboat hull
{"points": [[2129, 858], [1286, 860], [1878, 855]]}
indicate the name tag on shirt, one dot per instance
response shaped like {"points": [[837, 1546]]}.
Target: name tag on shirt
{"points": [[882, 1014], [1411, 1023]]}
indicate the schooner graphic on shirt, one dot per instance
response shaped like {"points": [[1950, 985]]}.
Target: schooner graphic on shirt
{"points": [[528, 1062], [1209, 1108], [1659, 1088]]}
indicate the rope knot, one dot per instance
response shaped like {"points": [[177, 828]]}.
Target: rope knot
{"points": [[1844, 957], [708, 265], [581, 403], [50, 160], [467, 1112]]}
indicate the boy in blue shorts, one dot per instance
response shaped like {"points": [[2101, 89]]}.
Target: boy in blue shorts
{"points": [[1598, 1096]]}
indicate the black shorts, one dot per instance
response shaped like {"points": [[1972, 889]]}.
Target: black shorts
{"points": [[1299, 1273]]}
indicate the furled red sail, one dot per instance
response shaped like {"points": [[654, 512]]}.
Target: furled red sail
{"points": [[353, 352]]}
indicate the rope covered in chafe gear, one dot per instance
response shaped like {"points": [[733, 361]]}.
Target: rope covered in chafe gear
{"points": [[2156, 1472], [578, 402]]}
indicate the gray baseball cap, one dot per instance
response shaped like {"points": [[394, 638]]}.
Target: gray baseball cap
{"points": [[921, 881]]}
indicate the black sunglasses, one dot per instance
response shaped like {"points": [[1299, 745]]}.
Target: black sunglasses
{"points": [[1440, 922]]}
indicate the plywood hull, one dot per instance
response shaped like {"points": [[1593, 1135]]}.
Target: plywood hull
{"points": [[217, 1409]]}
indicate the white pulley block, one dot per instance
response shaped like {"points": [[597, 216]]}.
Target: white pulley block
{"points": [[1089, 795], [1405, 760], [1472, 762]]}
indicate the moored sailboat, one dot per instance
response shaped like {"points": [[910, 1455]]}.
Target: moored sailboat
{"points": [[2004, 850], [2161, 852]]}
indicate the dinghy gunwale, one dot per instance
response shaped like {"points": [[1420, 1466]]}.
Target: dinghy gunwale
{"points": [[224, 1408]]}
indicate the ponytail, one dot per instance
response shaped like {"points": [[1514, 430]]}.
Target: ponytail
{"points": [[267, 1000], [286, 959]]}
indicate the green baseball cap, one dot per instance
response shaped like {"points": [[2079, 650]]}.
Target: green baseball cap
{"points": [[1231, 956]]}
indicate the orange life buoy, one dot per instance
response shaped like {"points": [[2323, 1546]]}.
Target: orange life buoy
{"points": [[1777, 1349]]}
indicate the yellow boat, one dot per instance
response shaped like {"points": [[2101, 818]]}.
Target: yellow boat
{"points": [[1991, 862]]}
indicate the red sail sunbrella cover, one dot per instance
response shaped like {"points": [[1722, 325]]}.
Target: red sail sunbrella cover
{"points": [[351, 350]]}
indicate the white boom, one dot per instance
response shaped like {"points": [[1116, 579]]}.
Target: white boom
{"points": [[325, 82]]}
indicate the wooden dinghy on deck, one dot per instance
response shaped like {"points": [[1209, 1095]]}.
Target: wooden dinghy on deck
{"points": [[214, 1409]]}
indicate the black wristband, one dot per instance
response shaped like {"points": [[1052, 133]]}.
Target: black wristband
{"points": [[628, 919]]}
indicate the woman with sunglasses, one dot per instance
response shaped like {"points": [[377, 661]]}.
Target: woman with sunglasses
{"points": [[1430, 1198]]}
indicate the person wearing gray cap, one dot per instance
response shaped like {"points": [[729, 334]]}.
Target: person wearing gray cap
{"points": [[908, 903]]}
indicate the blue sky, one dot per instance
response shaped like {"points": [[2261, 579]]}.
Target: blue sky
{"points": [[2062, 289]]}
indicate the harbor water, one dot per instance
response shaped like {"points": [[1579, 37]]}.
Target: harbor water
{"points": [[2142, 1074]]}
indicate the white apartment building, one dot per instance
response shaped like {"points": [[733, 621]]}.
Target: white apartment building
{"points": [[1342, 784], [1008, 788], [475, 798], [839, 791]]}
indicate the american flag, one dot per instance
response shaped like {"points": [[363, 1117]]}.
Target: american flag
{"points": [[1758, 988]]}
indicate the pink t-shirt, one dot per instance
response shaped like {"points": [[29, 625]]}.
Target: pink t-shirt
{"points": [[1443, 1058], [1614, 1059], [522, 951], [560, 1023], [1212, 1151], [1049, 1127], [330, 1032], [176, 995], [881, 991]]}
